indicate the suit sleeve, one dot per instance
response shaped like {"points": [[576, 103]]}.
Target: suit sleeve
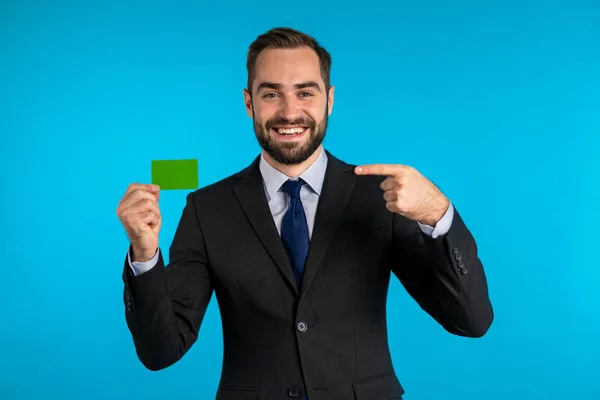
{"points": [[444, 275], [165, 306]]}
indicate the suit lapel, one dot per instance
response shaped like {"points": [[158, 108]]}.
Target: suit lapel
{"points": [[337, 187], [250, 193]]}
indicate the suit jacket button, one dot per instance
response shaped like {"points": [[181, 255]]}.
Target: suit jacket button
{"points": [[461, 263], [463, 271], [455, 250], [294, 392], [301, 326], [458, 257]]}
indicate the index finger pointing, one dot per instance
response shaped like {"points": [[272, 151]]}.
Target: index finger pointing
{"points": [[379, 169]]}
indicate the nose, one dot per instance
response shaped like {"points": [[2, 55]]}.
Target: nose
{"points": [[290, 108]]}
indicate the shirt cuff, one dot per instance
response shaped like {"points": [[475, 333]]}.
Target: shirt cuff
{"points": [[139, 267], [443, 225]]}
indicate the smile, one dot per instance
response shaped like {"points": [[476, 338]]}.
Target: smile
{"points": [[290, 131]]}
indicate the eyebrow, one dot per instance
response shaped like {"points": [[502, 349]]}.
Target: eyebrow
{"points": [[277, 86]]}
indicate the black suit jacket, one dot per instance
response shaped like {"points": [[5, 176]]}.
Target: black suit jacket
{"points": [[326, 339]]}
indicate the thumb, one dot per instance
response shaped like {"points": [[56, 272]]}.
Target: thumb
{"points": [[154, 189]]}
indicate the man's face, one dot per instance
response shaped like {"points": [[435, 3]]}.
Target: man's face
{"points": [[289, 104]]}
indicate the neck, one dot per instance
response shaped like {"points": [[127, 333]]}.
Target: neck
{"points": [[294, 171]]}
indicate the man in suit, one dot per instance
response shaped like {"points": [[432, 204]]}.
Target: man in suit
{"points": [[299, 249]]}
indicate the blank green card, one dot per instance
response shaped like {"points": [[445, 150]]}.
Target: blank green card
{"points": [[175, 174]]}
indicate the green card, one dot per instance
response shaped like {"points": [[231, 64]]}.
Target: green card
{"points": [[175, 174]]}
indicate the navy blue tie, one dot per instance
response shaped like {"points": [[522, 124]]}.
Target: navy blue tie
{"points": [[294, 229]]}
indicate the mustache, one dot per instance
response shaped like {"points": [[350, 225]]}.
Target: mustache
{"points": [[301, 121]]}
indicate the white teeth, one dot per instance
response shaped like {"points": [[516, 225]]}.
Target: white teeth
{"points": [[292, 131]]}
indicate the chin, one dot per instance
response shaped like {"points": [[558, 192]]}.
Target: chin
{"points": [[288, 158], [289, 152]]}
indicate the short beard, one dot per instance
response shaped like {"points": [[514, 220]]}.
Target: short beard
{"points": [[290, 153]]}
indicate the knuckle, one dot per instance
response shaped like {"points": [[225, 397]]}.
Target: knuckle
{"points": [[129, 220]]}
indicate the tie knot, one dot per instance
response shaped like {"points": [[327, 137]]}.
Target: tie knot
{"points": [[293, 188]]}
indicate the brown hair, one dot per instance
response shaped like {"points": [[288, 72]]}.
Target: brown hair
{"points": [[286, 38]]}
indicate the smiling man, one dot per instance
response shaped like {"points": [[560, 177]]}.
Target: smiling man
{"points": [[299, 249]]}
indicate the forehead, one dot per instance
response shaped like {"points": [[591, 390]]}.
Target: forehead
{"points": [[288, 66]]}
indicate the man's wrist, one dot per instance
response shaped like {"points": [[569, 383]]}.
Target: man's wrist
{"points": [[141, 255], [437, 214]]}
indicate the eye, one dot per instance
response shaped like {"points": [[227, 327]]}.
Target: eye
{"points": [[269, 95], [305, 94]]}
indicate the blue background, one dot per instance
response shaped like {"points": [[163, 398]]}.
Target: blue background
{"points": [[497, 102]]}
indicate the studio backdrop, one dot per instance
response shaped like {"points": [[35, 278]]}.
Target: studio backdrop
{"points": [[497, 102]]}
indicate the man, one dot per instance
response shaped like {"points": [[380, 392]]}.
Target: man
{"points": [[298, 248]]}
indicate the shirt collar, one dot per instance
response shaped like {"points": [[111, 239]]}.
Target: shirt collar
{"points": [[314, 175]]}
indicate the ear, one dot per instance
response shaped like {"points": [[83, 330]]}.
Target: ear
{"points": [[248, 102], [330, 100]]}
